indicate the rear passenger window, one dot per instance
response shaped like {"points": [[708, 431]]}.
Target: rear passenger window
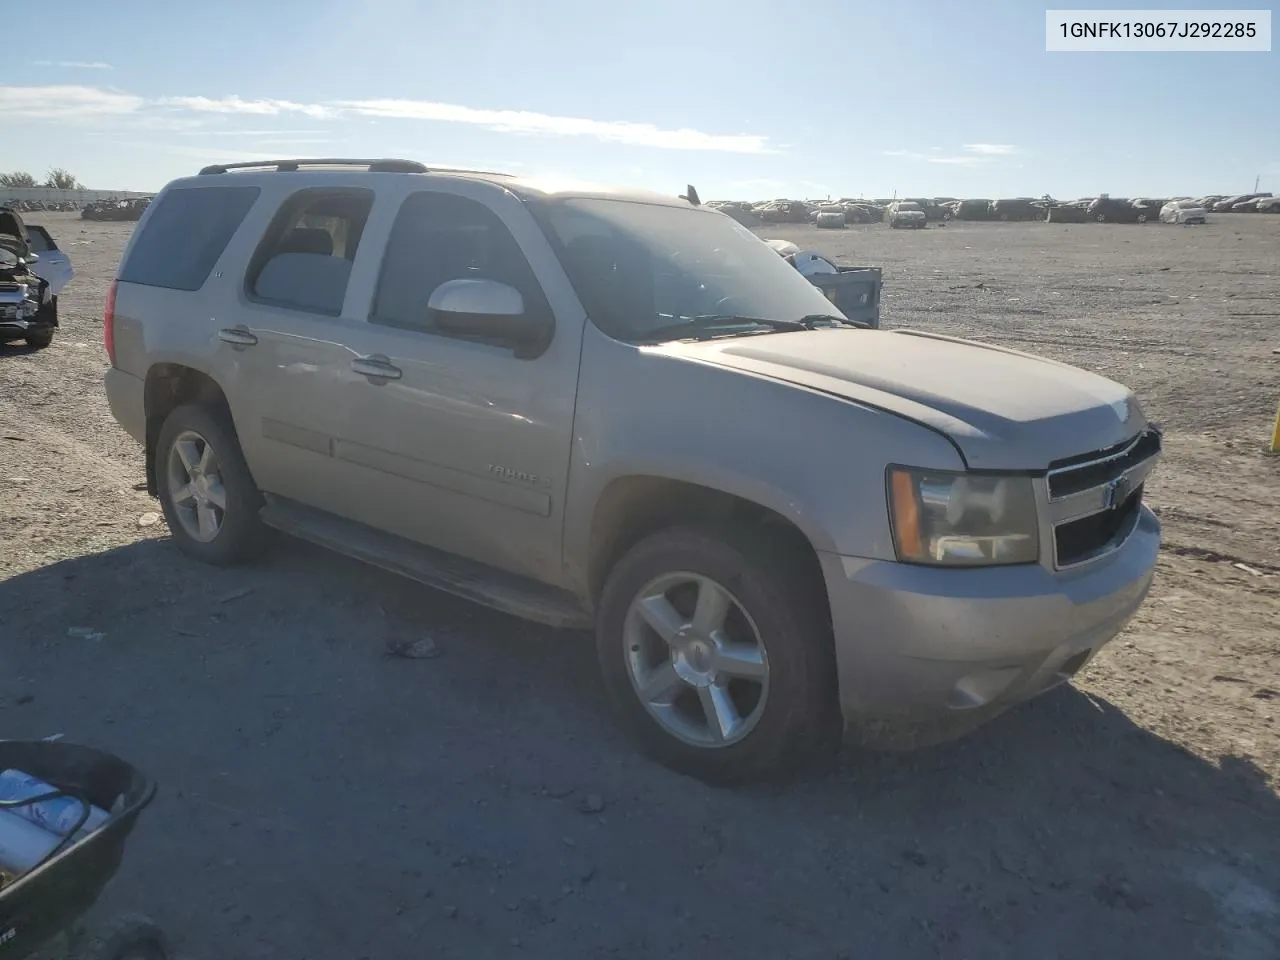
{"points": [[439, 237], [304, 261], [184, 236]]}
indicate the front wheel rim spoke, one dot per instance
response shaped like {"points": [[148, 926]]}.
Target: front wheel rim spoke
{"points": [[206, 519], [712, 607], [217, 493], [208, 462], [741, 661], [662, 685], [722, 716], [661, 616], [185, 495], [189, 453]]}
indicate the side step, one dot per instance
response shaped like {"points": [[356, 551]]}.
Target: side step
{"points": [[464, 578]]}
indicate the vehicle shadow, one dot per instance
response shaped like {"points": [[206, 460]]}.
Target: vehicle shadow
{"points": [[17, 349], [264, 702]]}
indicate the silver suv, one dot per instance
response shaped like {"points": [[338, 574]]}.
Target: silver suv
{"points": [[621, 411]]}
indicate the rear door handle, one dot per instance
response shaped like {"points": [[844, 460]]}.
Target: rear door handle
{"points": [[376, 367], [237, 336]]}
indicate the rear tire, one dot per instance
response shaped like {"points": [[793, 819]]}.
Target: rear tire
{"points": [[747, 717], [208, 496]]}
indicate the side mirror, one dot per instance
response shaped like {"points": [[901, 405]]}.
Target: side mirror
{"points": [[31, 257], [485, 309]]}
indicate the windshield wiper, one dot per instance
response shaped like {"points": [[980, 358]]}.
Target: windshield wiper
{"points": [[707, 325], [814, 320]]}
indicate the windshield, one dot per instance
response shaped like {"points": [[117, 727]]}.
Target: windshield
{"points": [[639, 267], [908, 206]]}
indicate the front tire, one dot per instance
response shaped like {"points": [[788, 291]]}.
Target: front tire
{"points": [[40, 340], [207, 494], [716, 651]]}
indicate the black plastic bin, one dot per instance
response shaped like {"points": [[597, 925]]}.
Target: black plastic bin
{"points": [[49, 900], [854, 290]]}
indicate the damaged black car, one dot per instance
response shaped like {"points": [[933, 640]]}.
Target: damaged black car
{"points": [[26, 303]]}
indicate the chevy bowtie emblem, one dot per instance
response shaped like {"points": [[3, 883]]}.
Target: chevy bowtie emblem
{"points": [[1118, 491]]}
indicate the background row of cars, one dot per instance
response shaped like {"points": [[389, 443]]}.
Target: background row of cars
{"points": [[919, 211], [130, 209]]}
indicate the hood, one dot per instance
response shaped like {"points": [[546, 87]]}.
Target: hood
{"points": [[1004, 410]]}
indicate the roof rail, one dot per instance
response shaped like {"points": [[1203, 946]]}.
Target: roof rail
{"points": [[385, 165]]}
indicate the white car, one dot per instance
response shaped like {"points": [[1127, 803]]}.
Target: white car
{"points": [[906, 214], [54, 266], [1182, 211]]}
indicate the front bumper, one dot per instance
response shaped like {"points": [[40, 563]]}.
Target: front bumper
{"points": [[924, 644], [18, 329]]}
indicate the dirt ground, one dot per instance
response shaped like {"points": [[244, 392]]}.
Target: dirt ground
{"points": [[320, 800]]}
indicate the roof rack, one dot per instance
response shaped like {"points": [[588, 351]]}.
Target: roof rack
{"points": [[385, 165]]}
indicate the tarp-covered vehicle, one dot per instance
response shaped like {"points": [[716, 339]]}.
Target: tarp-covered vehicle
{"points": [[1016, 208], [975, 208], [1114, 210], [1182, 211]]}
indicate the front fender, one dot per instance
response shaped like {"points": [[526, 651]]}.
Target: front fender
{"points": [[817, 460]]}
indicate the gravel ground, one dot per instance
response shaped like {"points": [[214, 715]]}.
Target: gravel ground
{"points": [[322, 800]]}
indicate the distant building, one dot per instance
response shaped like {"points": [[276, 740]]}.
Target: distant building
{"points": [[53, 195]]}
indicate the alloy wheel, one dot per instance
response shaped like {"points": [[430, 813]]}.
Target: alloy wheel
{"points": [[696, 659], [195, 486]]}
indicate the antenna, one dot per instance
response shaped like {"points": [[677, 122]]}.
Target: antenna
{"points": [[691, 195], [1256, 180]]}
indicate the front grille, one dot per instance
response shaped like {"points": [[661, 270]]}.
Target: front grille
{"points": [[1090, 470], [1078, 540]]}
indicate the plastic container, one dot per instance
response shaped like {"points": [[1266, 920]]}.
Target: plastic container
{"points": [[58, 815], [22, 844]]}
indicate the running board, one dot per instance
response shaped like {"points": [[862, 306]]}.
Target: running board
{"points": [[464, 578]]}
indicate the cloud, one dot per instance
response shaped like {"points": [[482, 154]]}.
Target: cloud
{"points": [[975, 155], [65, 102], [527, 122], [250, 132], [257, 108], [75, 64], [501, 121]]}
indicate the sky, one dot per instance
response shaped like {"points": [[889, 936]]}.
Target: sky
{"points": [[745, 99]]}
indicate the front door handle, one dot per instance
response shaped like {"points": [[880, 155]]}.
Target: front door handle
{"points": [[376, 367], [237, 336]]}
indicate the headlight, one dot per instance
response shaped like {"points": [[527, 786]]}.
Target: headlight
{"points": [[962, 519]]}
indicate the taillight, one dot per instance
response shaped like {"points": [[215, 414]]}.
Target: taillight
{"points": [[109, 323]]}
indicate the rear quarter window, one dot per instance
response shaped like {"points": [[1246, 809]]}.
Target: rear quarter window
{"points": [[185, 234]]}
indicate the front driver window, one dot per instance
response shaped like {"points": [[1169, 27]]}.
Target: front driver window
{"points": [[439, 237]]}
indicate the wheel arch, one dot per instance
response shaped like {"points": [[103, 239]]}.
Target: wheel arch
{"points": [[634, 506], [167, 387]]}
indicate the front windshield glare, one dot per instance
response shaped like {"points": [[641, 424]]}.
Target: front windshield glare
{"points": [[638, 267]]}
